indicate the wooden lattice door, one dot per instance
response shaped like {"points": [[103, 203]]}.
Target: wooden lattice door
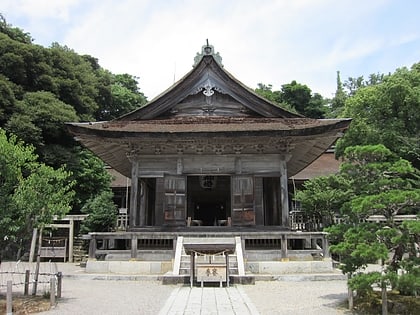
{"points": [[175, 200], [243, 200]]}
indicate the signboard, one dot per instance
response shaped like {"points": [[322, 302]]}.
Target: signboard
{"points": [[211, 272]]}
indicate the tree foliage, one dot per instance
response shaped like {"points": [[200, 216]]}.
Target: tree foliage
{"points": [[295, 97], [31, 193], [372, 181], [43, 88], [386, 111], [102, 213]]}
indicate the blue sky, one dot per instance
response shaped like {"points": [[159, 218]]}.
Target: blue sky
{"points": [[267, 41]]}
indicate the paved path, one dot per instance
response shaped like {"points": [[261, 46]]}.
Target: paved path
{"points": [[209, 301], [113, 294], [150, 297]]}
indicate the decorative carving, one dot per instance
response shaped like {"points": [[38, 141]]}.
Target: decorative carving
{"points": [[180, 149], [199, 149], [208, 182], [208, 88], [218, 149], [207, 50], [208, 110], [238, 149], [158, 150], [260, 148]]}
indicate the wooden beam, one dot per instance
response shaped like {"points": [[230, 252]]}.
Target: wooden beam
{"points": [[284, 194], [134, 192]]}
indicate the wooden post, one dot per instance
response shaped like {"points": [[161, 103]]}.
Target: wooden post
{"points": [[284, 194], [92, 247], [227, 270], [52, 291], [283, 246], [325, 246], [9, 301], [33, 245], [133, 246], [59, 283], [192, 262], [27, 278], [71, 239], [38, 262], [134, 192]]}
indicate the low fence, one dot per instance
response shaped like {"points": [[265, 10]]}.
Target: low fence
{"points": [[20, 277]]}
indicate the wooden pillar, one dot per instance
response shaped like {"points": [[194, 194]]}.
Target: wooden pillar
{"points": [[284, 247], [325, 246], [71, 239], [284, 192], [142, 195], [92, 247], [134, 192], [133, 246]]}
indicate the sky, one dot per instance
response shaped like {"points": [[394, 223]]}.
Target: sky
{"points": [[260, 41]]}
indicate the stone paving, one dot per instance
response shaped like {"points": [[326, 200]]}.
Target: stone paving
{"points": [[133, 294], [208, 301]]}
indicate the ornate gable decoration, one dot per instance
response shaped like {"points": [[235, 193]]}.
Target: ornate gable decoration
{"points": [[207, 50], [208, 90]]}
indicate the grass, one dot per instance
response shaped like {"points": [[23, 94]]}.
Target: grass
{"points": [[26, 304]]}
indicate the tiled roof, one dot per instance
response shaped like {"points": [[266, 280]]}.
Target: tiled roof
{"points": [[325, 165]]}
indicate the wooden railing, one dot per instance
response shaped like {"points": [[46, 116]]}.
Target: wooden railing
{"points": [[133, 244]]}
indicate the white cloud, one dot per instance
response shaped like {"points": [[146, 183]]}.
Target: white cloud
{"points": [[271, 41], [57, 9]]}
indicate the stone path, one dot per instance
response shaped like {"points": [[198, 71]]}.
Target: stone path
{"points": [[104, 294], [208, 301]]}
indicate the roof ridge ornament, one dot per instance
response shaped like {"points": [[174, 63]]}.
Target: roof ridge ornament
{"points": [[208, 50]]}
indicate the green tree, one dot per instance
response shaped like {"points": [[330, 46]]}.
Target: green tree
{"points": [[295, 97], [43, 88], [339, 99], [31, 193], [300, 97], [387, 112], [371, 181], [125, 97], [322, 197], [14, 32], [102, 213]]}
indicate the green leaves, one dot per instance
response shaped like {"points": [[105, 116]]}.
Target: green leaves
{"points": [[372, 181], [102, 213], [386, 112], [295, 97], [31, 193], [359, 246]]}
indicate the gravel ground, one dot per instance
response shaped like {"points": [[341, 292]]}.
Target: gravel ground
{"points": [[111, 297], [301, 297], [148, 297]]}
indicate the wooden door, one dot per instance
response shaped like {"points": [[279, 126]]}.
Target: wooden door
{"points": [[175, 200], [243, 200]]}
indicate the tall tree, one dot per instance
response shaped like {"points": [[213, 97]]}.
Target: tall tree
{"points": [[31, 193], [388, 113], [339, 99], [371, 181]]}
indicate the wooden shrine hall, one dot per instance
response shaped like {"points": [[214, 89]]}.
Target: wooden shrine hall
{"points": [[208, 155]]}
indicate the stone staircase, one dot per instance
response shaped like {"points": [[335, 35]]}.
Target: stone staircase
{"points": [[80, 253], [182, 261]]}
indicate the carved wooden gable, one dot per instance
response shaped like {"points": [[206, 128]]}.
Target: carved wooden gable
{"points": [[208, 90]]}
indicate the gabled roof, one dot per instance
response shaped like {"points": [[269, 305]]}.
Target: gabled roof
{"points": [[208, 76], [209, 112]]}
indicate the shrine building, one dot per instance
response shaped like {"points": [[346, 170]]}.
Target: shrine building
{"points": [[208, 158]]}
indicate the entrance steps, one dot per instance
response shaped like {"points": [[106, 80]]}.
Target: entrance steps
{"points": [[182, 262]]}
